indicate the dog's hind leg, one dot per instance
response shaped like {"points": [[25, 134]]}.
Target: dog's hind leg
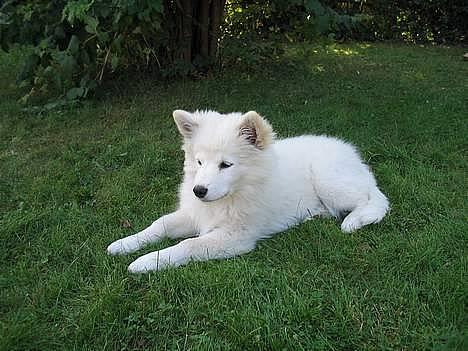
{"points": [[371, 212], [214, 245], [173, 225], [350, 188]]}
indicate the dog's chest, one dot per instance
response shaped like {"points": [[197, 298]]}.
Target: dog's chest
{"points": [[212, 217]]}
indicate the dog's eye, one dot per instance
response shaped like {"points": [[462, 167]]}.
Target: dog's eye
{"points": [[224, 164], [199, 162]]}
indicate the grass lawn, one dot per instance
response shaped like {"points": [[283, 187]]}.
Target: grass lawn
{"points": [[73, 181]]}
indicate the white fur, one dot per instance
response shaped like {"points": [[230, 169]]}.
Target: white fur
{"points": [[271, 186]]}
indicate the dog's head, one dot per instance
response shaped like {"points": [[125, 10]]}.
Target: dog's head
{"points": [[223, 152]]}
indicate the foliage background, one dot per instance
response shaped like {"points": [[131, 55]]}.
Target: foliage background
{"points": [[79, 43]]}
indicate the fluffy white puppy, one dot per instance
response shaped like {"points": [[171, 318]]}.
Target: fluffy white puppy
{"points": [[241, 185]]}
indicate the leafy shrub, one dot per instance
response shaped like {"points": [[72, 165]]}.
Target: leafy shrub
{"points": [[296, 19], [438, 21], [76, 41]]}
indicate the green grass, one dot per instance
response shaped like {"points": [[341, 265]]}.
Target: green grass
{"points": [[69, 180]]}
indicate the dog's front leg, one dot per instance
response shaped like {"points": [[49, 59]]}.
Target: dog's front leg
{"points": [[173, 225], [214, 245]]}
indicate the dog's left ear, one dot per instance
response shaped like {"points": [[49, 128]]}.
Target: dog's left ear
{"points": [[256, 130], [185, 123]]}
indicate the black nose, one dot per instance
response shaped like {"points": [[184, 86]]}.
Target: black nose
{"points": [[200, 191]]}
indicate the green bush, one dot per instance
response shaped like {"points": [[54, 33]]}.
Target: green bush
{"points": [[77, 41], [297, 19], [438, 21]]}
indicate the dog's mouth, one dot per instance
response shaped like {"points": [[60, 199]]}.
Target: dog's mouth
{"points": [[215, 199]]}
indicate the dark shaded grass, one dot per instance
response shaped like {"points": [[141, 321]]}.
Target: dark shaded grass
{"points": [[70, 179]]}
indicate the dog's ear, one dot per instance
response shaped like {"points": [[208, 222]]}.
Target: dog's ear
{"points": [[185, 123], [256, 130]]}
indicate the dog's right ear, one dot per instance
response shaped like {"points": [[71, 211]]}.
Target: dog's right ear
{"points": [[185, 123]]}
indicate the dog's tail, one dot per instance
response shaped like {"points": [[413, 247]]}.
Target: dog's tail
{"points": [[371, 212]]}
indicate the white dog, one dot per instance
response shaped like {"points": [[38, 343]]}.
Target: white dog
{"points": [[240, 186]]}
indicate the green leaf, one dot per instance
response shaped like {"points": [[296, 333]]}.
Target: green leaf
{"points": [[4, 19], [84, 57], [315, 6], [157, 6], [75, 93], [90, 29], [74, 44], [91, 24], [66, 62], [103, 37], [323, 23], [104, 11], [114, 62]]}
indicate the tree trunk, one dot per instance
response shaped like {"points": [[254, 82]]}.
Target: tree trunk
{"points": [[203, 29], [194, 31], [186, 11]]}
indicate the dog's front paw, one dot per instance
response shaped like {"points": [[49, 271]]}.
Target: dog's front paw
{"points": [[156, 261], [142, 265], [116, 248], [123, 246], [151, 262]]}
